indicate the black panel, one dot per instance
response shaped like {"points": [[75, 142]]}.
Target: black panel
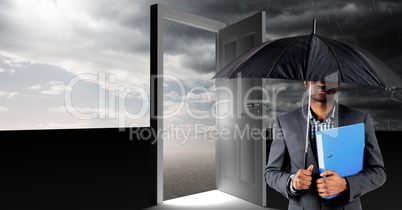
{"points": [[74, 169], [104, 169], [387, 196]]}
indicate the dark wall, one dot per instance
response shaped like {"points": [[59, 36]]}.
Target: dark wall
{"points": [[74, 169], [104, 169], [386, 197]]}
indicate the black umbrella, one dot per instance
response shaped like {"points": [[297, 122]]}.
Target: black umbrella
{"points": [[312, 58]]}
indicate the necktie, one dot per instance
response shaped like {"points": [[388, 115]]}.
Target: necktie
{"points": [[313, 140]]}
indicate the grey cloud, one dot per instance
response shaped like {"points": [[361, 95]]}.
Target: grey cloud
{"points": [[26, 75], [384, 106], [375, 26]]}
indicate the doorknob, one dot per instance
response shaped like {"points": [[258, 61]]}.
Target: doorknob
{"points": [[253, 104], [258, 104]]}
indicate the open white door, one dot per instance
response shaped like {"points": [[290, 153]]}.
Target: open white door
{"points": [[240, 155], [241, 159]]}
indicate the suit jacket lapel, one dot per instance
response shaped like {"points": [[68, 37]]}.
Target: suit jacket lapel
{"points": [[340, 116]]}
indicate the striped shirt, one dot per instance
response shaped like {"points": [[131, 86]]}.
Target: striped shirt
{"points": [[316, 125]]}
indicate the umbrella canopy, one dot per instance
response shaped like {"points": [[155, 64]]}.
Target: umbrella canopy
{"points": [[311, 58]]}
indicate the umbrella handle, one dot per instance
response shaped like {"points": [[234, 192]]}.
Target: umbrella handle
{"points": [[305, 160]]}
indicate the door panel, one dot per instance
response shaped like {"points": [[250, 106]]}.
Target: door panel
{"points": [[230, 51], [240, 156]]}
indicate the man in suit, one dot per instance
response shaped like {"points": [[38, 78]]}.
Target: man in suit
{"points": [[305, 187]]}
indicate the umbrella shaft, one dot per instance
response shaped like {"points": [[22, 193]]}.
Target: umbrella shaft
{"points": [[307, 126]]}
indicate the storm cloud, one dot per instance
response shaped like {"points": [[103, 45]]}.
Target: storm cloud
{"points": [[62, 39]]}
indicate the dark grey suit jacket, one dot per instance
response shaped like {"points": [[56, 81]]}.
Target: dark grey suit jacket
{"points": [[287, 156]]}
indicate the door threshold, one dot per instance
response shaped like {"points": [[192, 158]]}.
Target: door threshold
{"points": [[213, 199]]}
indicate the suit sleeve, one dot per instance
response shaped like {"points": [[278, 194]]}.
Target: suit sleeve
{"points": [[373, 174], [276, 175]]}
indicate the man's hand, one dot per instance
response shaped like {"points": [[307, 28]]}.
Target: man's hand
{"points": [[332, 184], [302, 179]]}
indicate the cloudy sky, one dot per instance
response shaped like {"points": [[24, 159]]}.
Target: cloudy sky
{"points": [[68, 64]]}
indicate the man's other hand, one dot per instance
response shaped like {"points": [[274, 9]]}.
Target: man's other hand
{"points": [[331, 184]]}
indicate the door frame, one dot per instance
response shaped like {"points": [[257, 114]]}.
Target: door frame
{"points": [[158, 14]]}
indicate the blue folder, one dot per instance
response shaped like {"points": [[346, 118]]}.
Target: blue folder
{"points": [[341, 149]]}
